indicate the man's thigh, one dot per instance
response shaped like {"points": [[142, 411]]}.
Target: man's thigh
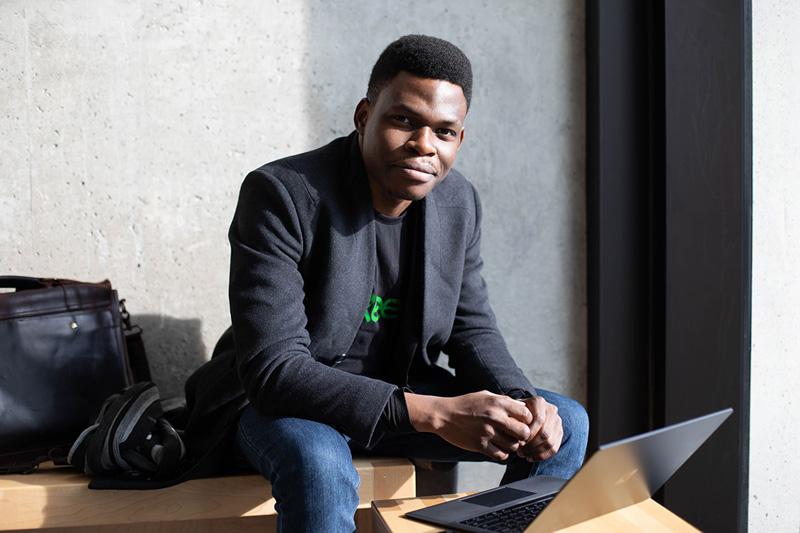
{"points": [[271, 444]]}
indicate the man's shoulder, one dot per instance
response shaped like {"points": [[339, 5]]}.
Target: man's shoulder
{"points": [[309, 170]]}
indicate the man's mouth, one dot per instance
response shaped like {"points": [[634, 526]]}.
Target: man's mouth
{"points": [[419, 171]]}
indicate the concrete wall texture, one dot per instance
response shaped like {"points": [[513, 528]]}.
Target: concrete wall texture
{"points": [[775, 371], [126, 128]]}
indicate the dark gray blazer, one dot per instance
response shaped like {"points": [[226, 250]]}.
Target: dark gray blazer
{"points": [[302, 268]]}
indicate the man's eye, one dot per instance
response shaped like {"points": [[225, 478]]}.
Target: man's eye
{"points": [[401, 119], [446, 132]]}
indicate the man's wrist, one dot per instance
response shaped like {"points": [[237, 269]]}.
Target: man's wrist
{"points": [[423, 412]]}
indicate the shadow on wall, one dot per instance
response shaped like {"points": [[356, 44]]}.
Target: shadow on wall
{"points": [[174, 348]]}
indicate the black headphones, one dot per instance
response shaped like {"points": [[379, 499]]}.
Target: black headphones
{"points": [[130, 437]]}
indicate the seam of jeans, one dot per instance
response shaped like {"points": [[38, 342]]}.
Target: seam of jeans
{"points": [[259, 454]]}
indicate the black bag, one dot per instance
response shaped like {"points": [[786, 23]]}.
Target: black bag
{"points": [[65, 346]]}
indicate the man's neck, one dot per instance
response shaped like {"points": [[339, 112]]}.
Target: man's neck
{"points": [[386, 205], [393, 211]]}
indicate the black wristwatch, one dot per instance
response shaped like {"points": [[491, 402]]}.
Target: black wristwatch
{"points": [[521, 394]]}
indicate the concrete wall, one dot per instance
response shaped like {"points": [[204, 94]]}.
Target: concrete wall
{"points": [[775, 373], [126, 128]]}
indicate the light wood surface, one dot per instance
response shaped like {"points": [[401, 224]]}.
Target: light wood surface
{"points": [[649, 516], [59, 498], [387, 515]]}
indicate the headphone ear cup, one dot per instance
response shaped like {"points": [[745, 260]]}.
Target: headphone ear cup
{"points": [[136, 433], [99, 456], [171, 451], [96, 445], [106, 404], [171, 434], [140, 461], [77, 452]]}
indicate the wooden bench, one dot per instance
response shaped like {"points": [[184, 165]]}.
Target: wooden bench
{"points": [[57, 499]]}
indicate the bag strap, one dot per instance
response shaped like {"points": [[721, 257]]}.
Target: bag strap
{"points": [[137, 356]]}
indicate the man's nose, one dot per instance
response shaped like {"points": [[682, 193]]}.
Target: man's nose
{"points": [[422, 141]]}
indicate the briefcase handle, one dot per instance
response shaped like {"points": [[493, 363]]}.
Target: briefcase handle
{"points": [[24, 283], [21, 283]]}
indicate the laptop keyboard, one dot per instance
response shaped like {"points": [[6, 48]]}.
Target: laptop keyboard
{"points": [[512, 519]]}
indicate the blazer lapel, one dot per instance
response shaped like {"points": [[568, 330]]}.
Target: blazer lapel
{"points": [[353, 261], [432, 265]]}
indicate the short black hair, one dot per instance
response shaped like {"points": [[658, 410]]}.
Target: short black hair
{"points": [[423, 56]]}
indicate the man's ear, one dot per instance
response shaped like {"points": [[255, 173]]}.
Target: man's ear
{"points": [[361, 115], [461, 137]]}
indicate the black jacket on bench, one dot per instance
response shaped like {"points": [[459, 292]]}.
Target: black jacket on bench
{"points": [[302, 269]]}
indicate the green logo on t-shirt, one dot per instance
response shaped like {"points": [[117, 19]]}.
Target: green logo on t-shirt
{"points": [[388, 308]]}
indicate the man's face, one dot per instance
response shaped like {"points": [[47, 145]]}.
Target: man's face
{"points": [[409, 138]]}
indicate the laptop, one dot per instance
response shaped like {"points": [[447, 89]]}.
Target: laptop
{"points": [[619, 474]]}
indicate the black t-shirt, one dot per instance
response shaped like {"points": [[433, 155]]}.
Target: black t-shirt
{"points": [[388, 314], [372, 351]]}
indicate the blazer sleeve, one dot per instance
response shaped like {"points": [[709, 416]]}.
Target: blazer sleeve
{"points": [[276, 369], [476, 348]]}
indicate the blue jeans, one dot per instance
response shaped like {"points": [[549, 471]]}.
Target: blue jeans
{"points": [[315, 485]]}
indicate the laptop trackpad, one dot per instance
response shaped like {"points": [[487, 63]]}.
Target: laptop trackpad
{"points": [[498, 497]]}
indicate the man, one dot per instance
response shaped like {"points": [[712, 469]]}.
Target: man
{"points": [[352, 268]]}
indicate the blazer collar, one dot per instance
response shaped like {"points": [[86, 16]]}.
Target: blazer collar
{"points": [[431, 261], [352, 267]]}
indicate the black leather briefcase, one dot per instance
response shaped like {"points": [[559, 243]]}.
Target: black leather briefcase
{"points": [[63, 351]]}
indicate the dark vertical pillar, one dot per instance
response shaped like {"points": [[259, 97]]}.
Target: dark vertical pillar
{"points": [[617, 198], [668, 196]]}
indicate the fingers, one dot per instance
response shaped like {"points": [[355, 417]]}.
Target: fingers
{"points": [[545, 449], [544, 415], [494, 452], [505, 442], [544, 436], [545, 440], [514, 429], [518, 410], [538, 409], [508, 416]]}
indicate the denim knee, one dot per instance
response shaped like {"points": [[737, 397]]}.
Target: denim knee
{"points": [[574, 419], [296, 448], [310, 467], [575, 423], [324, 464]]}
